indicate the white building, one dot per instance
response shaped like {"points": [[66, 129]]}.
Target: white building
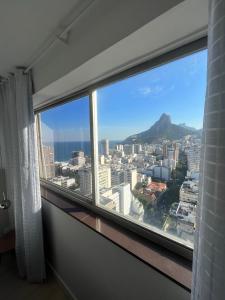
{"points": [[48, 166], [141, 177], [170, 154], [186, 210], [119, 147], [85, 175], [125, 197], [78, 159], [189, 192], [193, 158], [130, 176], [105, 147], [110, 199], [104, 176], [136, 209], [101, 159], [65, 182]]}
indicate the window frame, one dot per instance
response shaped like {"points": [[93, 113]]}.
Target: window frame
{"points": [[90, 91]]}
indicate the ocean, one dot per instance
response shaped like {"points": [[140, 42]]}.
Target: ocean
{"points": [[63, 150]]}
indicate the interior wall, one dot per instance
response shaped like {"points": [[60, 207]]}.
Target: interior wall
{"points": [[94, 268]]}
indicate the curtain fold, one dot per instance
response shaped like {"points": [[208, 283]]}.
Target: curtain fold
{"points": [[209, 249], [22, 174]]}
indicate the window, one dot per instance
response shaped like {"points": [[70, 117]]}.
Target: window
{"points": [[135, 145], [65, 146], [149, 132]]}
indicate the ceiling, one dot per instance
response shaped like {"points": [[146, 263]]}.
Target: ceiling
{"points": [[180, 25], [26, 25], [99, 40]]}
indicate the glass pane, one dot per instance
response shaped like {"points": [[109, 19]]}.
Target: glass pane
{"points": [[65, 146], [149, 132]]}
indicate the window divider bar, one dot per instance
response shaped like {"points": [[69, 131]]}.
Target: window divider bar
{"points": [[94, 145]]}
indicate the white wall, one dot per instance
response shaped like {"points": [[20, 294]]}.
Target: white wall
{"points": [[93, 268]]}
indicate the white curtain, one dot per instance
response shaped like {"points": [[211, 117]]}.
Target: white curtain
{"points": [[23, 187], [208, 281]]}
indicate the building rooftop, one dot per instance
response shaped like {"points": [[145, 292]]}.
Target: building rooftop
{"points": [[156, 186]]}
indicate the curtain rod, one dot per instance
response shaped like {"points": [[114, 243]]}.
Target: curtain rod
{"points": [[59, 37]]}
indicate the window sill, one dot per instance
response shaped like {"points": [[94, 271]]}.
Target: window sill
{"points": [[162, 260]]}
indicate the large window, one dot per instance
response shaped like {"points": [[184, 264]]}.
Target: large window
{"points": [[149, 130], [65, 146], [144, 149]]}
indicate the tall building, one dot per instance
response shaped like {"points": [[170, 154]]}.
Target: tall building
{"points": [[176, 151], [105, 147], [186, 210], [117, 177], [171, 154], [193, 158], [171, 151], [104, 176], [101, 159], [137, 148], [130, 176], [119, 147], [165, 151], [125, 197], [49, 166], [85, 176]]}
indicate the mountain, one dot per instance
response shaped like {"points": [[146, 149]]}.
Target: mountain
{"points": [[163, 128], [187, 127]]}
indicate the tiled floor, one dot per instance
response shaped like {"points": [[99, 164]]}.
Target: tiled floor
{"points": [[12, 287]]}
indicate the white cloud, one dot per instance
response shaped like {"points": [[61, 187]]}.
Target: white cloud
{"points": [[145, 90], [150, 90]]}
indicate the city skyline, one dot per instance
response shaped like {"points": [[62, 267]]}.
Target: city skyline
{"points": [[50, 134], [134, 104]]}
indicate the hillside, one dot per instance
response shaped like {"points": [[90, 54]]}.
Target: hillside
{"points": [[163, 128]]}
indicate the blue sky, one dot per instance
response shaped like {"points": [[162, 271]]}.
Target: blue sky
{"points": [[134, 104]]}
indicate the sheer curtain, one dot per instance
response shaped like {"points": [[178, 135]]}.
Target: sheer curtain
{"points": [[22, 176], [209, 254]]}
